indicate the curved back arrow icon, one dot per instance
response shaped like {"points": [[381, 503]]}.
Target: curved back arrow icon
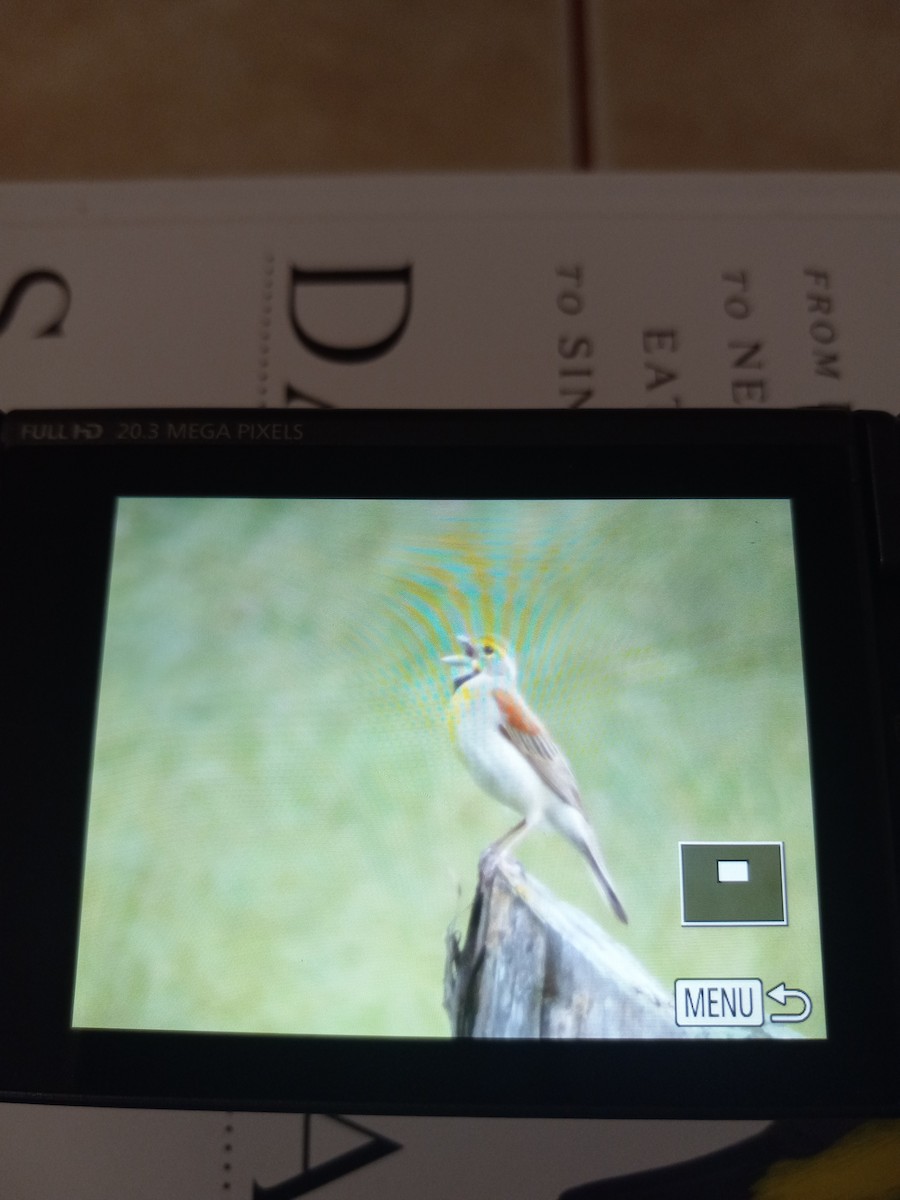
{"points": [[781, 995]]}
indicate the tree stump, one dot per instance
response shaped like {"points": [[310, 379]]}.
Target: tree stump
{"points": [[532, 966]]}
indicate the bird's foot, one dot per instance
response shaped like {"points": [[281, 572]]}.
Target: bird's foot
{"points": [[489, 862]]}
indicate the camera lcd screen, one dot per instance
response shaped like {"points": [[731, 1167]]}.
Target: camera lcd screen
{"points": [[450, 763], [291, 787]]}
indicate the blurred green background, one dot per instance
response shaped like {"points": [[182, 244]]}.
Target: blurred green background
{"points": [[280, 833]]}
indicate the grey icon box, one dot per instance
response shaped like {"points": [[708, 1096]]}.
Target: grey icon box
{"points": [[732, 883]]}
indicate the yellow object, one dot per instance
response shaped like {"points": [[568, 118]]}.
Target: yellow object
{"points": [[864, 1165]]}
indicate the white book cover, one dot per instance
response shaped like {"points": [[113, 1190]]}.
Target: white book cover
{"points": [[507, 291]]}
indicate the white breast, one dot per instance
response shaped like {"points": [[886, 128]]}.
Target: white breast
{"points": [[495, 764]]}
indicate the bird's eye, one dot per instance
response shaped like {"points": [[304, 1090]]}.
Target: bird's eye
{"points": [[489, 649]]}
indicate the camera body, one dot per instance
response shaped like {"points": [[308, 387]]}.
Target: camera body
{"points": [[237, 831]]}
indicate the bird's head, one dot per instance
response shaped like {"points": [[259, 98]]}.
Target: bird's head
{"points": [[488, 655]]}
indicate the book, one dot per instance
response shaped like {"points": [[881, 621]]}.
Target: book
{"points": [[452, 291]]}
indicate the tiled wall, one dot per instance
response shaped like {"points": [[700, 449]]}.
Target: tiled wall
{"points": [[92, 88], [747, 84]]}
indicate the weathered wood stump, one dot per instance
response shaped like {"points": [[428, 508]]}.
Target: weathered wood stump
{"points": [[532, 966]]}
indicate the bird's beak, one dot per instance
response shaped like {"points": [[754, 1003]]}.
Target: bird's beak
{"points": [[456, 660], [460, 660]]}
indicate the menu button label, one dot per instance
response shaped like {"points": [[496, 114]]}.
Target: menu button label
{"points": [[719, 1002]]}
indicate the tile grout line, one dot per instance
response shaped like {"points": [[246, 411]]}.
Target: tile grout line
{"points": [[595, 33], [579, 86]]}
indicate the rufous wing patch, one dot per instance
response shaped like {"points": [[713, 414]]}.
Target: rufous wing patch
{"points": [[525, 732], [517, 717]]}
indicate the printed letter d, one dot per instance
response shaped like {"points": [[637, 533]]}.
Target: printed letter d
{"points": [[365, 308]]}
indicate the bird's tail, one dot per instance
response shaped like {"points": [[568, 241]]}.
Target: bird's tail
{"points": [[591, 852], [572, 823]]}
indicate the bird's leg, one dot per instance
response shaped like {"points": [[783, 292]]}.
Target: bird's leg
{"points": [[490, 857]]}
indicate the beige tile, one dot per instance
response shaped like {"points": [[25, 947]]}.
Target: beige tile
{"points": [[748, 84], [188, 87]]}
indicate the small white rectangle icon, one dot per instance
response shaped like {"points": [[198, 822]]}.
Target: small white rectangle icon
{"points": [[719, 1002], [733, 870]]}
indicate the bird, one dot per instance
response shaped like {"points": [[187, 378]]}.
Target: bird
{"points": [[513, 757]]}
